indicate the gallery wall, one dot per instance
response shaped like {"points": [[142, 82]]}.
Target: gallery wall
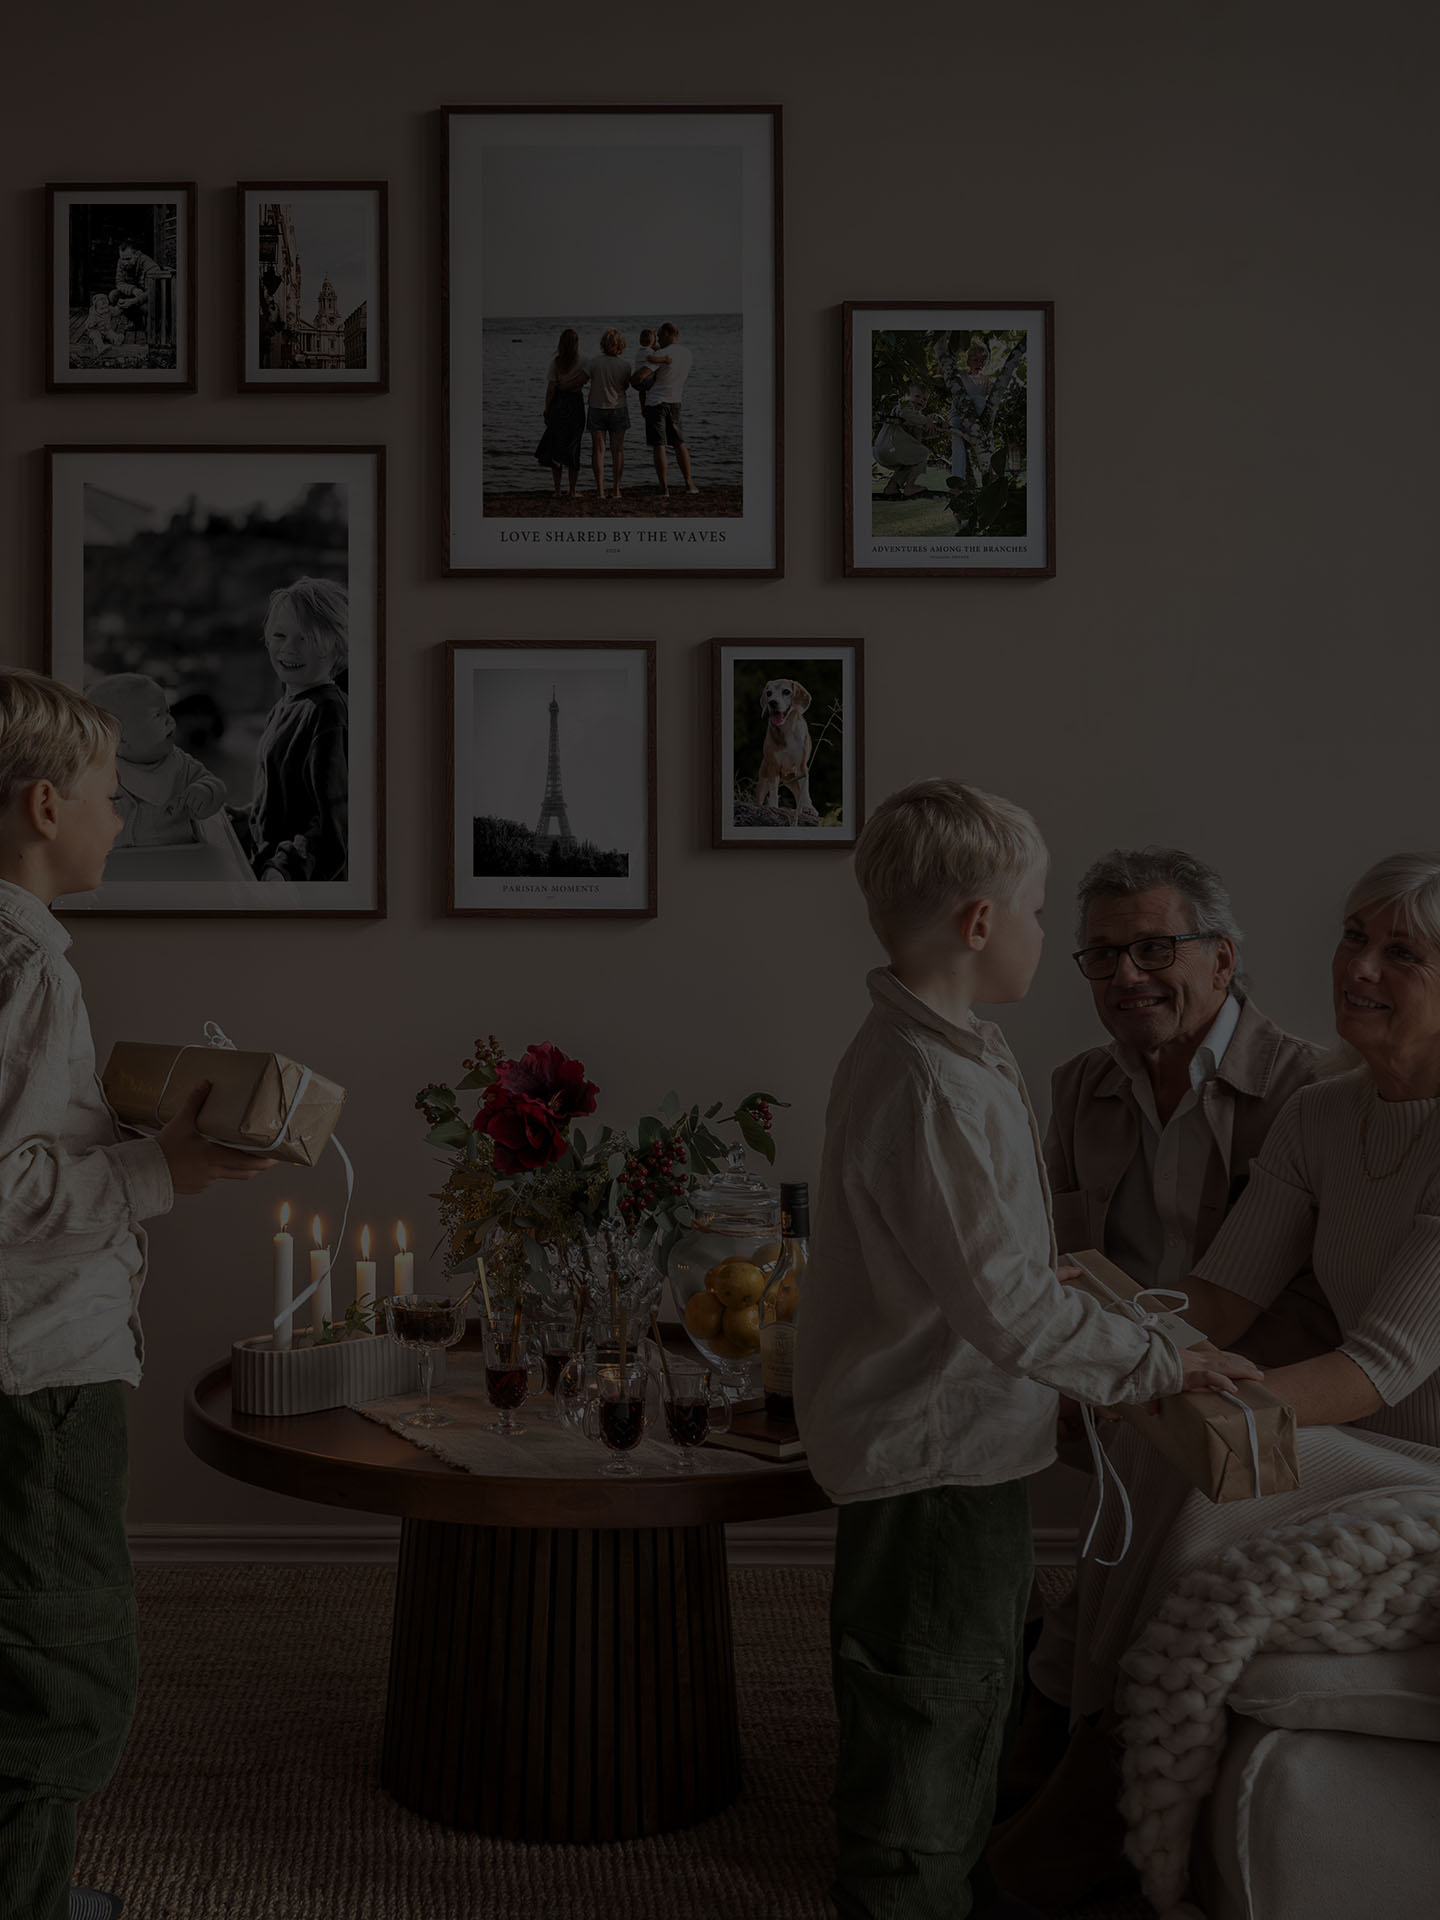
{"points": [[1231, 208]]}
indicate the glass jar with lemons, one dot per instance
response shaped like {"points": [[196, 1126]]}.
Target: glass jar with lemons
{"points": [[718, 1269]]}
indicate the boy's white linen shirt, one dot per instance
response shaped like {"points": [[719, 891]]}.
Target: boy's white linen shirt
{"points": [[72, 1256], [934, 1334]]}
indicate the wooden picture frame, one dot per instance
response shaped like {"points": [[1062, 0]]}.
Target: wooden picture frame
{"points": [[120, 276], [787, 738], [292, 237], [703, 254], [954, 404], [512, 748], [237, 592]]}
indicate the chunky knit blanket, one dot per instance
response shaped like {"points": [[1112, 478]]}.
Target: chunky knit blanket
{"points": [[1361, 1580]]}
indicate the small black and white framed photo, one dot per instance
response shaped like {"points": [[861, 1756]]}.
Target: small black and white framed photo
{"points": [[949, 439], [226, 604], [551, 792], [314, 282], [121, 285], [787, 743]]}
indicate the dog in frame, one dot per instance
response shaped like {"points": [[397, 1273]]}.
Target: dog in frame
{"points": [[785, 757]]}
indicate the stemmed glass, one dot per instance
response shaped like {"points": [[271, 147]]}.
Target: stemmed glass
{"points": [[695, 1407], [514, 1369], [557, 1345], [425, 1322], [615, 1414]]}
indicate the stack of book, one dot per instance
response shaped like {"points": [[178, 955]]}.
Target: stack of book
{"points": [[752, 1430]]}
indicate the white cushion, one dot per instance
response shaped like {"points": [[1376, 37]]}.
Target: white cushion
{"points": [[1320, 1826], [1393, 1694]]}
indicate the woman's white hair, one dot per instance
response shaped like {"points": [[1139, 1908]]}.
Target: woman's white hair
{"points": [[1409, 882]]}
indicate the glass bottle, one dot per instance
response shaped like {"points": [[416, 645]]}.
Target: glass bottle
{"points": [[780, 1303]]}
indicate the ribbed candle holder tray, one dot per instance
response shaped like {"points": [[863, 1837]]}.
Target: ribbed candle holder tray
{"points": [[309, 1379]]}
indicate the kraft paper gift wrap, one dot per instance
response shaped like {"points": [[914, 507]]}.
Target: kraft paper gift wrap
{"points": [[1203, 1434], [252, 1102]]}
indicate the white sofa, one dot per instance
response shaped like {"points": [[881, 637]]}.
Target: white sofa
{"points": [[1327, 1803]]}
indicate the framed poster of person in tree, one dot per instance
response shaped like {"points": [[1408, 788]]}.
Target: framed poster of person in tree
{"points": [[551, 802], [949, 439]]}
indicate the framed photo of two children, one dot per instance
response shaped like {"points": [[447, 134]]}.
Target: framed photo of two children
{"points": [[949, 436], [611, 341], [226, 606]]}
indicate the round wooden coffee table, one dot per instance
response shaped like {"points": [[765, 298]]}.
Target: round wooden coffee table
{"points": [[561, 1666]]}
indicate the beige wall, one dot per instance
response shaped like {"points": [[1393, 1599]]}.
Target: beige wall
{"points": [[1232, 208]]}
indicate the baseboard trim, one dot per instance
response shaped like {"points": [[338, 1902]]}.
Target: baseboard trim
{"points": [[807, 1542]]}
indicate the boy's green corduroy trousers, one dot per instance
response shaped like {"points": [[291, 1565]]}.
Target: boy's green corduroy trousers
{"points": [[927, 1620], [67, 1629]]}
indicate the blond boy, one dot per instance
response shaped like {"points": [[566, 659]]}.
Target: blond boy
{"points": [[72, 1262], [937, 1336]]}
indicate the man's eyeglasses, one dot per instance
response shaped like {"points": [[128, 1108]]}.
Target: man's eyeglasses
{"points": [[1150, 955]]}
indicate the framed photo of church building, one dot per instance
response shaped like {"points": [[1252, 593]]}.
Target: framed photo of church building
{"points": [[314, 281], [551, 790]]}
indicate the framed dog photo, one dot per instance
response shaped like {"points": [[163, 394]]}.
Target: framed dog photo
{"points": [[314, 281], [788, 751], [551, 795], [226, 605], [612, 381], [949, 439], [120, 274]]}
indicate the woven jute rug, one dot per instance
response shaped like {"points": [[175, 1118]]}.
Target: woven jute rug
{"points": [[248, 1791]]}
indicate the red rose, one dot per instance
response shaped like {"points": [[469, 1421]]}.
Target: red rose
{"points": [[526, 1134], [545, 1074]]}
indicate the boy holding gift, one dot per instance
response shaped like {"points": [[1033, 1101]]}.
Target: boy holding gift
{"points": [[72, 1261], [937, 1335]]}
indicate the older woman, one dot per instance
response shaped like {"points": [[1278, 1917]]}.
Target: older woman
{"points": [[608, 417], [1348, 1181]]}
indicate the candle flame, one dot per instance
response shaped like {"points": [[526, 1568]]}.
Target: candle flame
{"points": [[285, 1216], [364, 1243], [316, 1230], [400, 1239]]}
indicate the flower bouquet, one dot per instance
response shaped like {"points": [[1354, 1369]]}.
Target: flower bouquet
{"points": [[555, 1222]]}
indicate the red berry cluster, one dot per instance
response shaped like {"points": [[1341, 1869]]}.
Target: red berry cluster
{"points": [[648, 1175], [488, 1053], [761, 1111], [424, 1100]]}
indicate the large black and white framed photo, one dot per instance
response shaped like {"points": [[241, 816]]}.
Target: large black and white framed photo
{"points": [[120, 280], [314, 286], [226, 604], [552, 777], [787, 752], [612, 341], [949, 435]]}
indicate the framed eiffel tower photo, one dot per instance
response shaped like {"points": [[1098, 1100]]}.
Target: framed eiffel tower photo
{"points": [[551, 793]]}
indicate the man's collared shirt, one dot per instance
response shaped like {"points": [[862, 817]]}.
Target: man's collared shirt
{"points": [[935, 1332], [72, 1257], [1150, 1230]]}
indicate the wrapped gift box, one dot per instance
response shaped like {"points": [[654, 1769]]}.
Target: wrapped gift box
{"points": [[1203, 1434], [308, 1378], [258, 1101]]}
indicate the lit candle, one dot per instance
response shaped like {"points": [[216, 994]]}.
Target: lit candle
{"points": [[404, 1262], [364, 1271], [320, 1310], [283, 1298]]}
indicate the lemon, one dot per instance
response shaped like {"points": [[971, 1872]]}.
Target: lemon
{"points": [[742, 1326], [736, 1283], [787, 1300], [703, 1315]]}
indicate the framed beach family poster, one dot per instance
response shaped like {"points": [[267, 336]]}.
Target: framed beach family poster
{"points": [[552, 778], [612, 341], [226, 605], [949, 434]]}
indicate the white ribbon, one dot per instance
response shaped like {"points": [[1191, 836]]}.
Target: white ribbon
{"points": [[1103, 1464]]}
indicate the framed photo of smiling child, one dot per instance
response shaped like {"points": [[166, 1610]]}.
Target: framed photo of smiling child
{"points": [[226, 605], [788, 748]]}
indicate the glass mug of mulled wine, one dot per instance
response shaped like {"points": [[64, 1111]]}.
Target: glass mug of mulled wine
{"points": [[695, 1407], [514, 1369], [427, 1323], [614, 1414]]}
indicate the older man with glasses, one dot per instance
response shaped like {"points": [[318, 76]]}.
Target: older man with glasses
{"points": [[1150, 1143]]}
